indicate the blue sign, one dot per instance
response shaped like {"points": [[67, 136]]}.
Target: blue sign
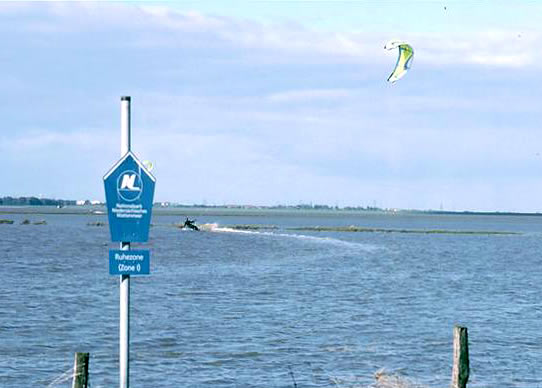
{"points": [[129, 192], [136, 262]]}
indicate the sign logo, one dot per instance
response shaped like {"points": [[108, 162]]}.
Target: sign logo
{"points": [[129, 185]]}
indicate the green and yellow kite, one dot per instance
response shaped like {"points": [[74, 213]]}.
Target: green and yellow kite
{"points": [[406, 54]]}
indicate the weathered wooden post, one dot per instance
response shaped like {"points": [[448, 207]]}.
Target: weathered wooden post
{"points": [[460, 370], [80, 370]]}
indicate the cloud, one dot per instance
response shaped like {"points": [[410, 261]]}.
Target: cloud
{"points": [[243, 111], [504, 47], [493, 48], [15, 7], [309, 95], [135, 25], [184, 21], [34, 140]]}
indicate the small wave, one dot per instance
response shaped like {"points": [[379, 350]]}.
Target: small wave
{"points": [[331, 240], [340, 349], [214, 227]]}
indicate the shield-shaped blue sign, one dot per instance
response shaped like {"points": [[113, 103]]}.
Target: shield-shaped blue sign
{"points": [[129, 192]]}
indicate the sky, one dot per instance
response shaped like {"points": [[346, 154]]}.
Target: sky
{"points": [[277, 102]]}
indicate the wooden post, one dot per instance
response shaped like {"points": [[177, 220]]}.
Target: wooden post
{"points": [[460, 370], [80, 370]]}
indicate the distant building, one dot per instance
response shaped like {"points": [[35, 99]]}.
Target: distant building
{"points": [[86, 202]]}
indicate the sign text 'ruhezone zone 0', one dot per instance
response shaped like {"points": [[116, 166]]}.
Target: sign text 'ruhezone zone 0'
{"points": [[135, 262]]}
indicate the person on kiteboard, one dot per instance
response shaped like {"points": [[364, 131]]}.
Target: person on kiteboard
{"points": [[188, 223]]}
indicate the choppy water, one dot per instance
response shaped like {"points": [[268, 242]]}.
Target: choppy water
{"points": [[229, 308]]}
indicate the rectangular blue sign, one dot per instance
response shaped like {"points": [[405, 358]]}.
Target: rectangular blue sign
{"points": [[136, 262]]}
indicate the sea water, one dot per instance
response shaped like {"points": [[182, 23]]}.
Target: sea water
{"points": [[276, 306]]}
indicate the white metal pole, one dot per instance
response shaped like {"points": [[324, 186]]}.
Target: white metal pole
{"points": [[124, 321], [125, 139], [124, 327]]}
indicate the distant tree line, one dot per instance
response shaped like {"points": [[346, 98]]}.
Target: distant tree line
{"points": [[302, 206], [34, 201]]}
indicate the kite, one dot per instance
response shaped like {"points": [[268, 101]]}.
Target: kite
{"points": [[406, 54], [148, 165]]}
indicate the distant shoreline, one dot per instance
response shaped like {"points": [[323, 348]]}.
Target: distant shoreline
{"points": [[247, 211]]}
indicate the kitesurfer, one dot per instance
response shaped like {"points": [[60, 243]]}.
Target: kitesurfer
{"points": [[188, 223]]}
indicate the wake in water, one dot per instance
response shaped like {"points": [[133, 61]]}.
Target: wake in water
{"points": [[253, 230], [214, 227]]}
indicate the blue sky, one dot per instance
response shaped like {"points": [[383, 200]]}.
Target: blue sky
{"points": [[277, 102]]}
